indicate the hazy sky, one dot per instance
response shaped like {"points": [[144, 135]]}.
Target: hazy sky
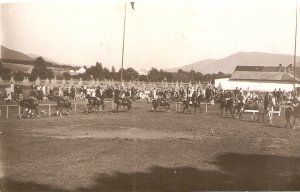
{"points": [[159, 33]]}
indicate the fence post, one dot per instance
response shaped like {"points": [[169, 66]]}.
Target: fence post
{"points": [[19, 110], [49, 110], [7, 112], [75, 107], [206, 107]]}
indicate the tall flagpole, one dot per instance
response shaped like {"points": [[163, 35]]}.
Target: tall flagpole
{"points": [[123, 41], [295, 50]]}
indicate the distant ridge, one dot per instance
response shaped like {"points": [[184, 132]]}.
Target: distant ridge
{"points": [[228, 64], [11, 54]]}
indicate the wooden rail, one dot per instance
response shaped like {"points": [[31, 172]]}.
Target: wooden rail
{"points": [[19, 108], [49, 108], [253, 111]]}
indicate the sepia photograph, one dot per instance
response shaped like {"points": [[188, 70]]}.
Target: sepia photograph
{"points": [[149, 95]]}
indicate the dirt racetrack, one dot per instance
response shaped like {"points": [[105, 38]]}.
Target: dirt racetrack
{"points": [[147, 151]]}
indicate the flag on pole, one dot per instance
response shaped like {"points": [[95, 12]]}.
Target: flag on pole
{"points": [[132, 5]]}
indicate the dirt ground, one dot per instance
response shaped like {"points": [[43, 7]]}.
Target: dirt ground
{"points": [[148, 151]]}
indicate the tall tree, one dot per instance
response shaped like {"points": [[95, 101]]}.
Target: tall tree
{"points": [[40, 70]]}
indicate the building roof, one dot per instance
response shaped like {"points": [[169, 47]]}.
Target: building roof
{"points": [[265, 73]]}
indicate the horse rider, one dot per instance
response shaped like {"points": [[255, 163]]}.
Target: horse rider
{"points": [[98, 93], [127, 94], [260, 107], [227, 96], [117, 95], [162, 96], [241, 98], [240, 101], [66, 93], [33, 96], [267, 100], [194, 97], [208, 93]]}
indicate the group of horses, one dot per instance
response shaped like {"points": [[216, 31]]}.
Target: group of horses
{"points": [[235, 107], [30, 107]]}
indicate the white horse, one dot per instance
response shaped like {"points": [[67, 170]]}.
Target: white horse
{"points": [[270, 109]]}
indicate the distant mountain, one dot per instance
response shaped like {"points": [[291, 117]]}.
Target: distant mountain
{"points": [[228, 64], [194, 66], [18, 61], [11, 54]]}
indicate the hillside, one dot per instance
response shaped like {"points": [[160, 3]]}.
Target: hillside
{"points": [[228, 64], [11, 54], [18, 61]]}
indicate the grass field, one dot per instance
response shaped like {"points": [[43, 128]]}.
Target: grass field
{"points": [[148, 151]]}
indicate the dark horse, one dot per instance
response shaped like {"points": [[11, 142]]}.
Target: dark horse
{"points": [[160, 102], [239, 107], [196, 103], [94, 102], [63, 102], [126, 102], [292, 112], [228, 104], [28, 106]]}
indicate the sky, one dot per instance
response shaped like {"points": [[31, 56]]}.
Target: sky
{"points": [[161, 34]]}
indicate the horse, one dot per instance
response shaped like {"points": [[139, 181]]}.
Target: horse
{"points": [[196, 103], [160, 102], [228, 104], [269, 109], [63, 102], [239, 107], [292, 112], [94, 102], [27, 107], [122, 102]]}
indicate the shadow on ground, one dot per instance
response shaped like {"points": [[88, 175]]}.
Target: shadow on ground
{"points": [[236, 172]]}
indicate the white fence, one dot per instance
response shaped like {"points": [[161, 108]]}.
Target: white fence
{"points": [[7, 108], [48, 106]]}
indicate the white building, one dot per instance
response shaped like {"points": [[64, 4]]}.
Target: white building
{"points": [[79, 71], [261, 78]]}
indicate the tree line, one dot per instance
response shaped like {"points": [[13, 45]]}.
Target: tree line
{"points": [[154, 75], [97, 71]]}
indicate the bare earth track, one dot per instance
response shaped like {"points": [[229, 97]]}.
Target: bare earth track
{"points": [[147, 151]]}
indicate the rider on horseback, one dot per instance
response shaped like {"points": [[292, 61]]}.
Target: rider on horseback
{"points": [[162, 96], [194, 97], [33, 96], [241, 100], [127, 94], [99, 94], [117, 95], [267, 100]]}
